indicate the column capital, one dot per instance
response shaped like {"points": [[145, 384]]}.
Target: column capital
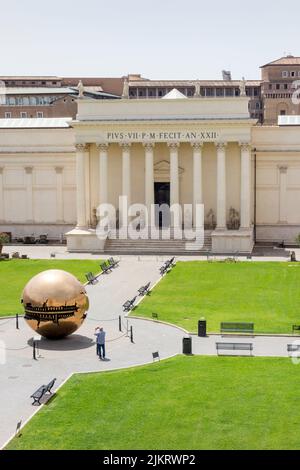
{"points": [[102, 147], [197, 145], [59, 170], [173, 145], [28, 170], [283, 168], [125, 146], [82, 147], [221, 145], [245, 146], [148, 145]]}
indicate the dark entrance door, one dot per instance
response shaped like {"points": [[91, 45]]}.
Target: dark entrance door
{"points": [[162, 197]]}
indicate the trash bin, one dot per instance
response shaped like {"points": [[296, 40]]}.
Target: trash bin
{"points": [[202, 328], [187, 345]]}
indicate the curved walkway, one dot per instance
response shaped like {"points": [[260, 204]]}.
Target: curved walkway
{"points": [[20, 375]]}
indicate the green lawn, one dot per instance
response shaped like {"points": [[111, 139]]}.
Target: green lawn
{"points": [[182, 403], [267, 294], [14, 275]]}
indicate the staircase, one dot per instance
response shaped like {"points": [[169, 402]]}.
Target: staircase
{"points": [[151, 247]]}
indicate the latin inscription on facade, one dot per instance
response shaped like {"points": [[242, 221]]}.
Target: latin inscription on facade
{"points": [[162, 136]]}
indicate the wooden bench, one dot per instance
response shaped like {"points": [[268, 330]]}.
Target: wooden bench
{"points": [[293, 348], [91, 278], [144, 290], [41, 391], [234, 347], [113, 263], [105, 268], [129, 304], [234, 327], [38, 395], [296, 328]]}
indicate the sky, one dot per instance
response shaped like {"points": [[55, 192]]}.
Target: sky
{"points": [[160, 39]]}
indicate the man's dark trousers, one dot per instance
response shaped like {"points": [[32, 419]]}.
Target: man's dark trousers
{"points": [[101, 350]]}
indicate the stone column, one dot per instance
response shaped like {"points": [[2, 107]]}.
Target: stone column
{"points": [[197, 176], [103, 173], [282, 193], [245, 186], [149, 176], [29, 193], [126, 180], [221, 186], [81, 150], [59, 195], [174, 173]]}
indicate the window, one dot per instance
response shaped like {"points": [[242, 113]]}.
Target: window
{"points": [[282, 112], [7, 115], [220, 91], [23, 115], [270, 86], [285, 86], [277, 86], [229, 91], [40, 114], [293, 74], [285, 74], [299, 73]]}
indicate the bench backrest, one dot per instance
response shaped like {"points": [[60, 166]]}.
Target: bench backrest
{"points": [[293, 347], [51, 385], [235, 346], [239, 327]]}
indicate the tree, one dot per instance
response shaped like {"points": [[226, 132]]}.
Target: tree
{"points": [[4, 238]]}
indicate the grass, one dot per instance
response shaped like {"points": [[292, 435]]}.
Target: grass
{"points": [[14, 275], [182, 403], [266, 293]]}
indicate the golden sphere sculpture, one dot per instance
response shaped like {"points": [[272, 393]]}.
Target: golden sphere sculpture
{"points": [[55, 303]]}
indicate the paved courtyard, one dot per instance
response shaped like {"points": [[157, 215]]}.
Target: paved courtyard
{"points": [[20, 375]]}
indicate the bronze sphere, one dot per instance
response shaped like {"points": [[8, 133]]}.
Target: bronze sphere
{"points": [[55, 303]]}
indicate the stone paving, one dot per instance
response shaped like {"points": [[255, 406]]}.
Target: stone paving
{"points": [[20, 375]]}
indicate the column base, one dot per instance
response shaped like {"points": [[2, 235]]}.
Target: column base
{"points": [[82, 239], [232, 241]]}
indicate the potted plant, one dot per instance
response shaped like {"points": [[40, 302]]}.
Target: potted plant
{"points": [[4, 238]]}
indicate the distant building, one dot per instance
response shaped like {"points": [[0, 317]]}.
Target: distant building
{"points": [[45, 97], [278, 86]]}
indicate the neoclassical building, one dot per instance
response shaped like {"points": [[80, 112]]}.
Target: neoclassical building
{"points": [[54, 174]]}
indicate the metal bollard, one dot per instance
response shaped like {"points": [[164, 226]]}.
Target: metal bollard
{"points": [[131, 334], [120, 323], [17, 322], [34, 350]]}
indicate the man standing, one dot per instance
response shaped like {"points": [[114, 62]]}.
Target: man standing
{"points": [[100, 342]]}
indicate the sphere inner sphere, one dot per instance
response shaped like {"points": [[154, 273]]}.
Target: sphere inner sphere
{"points": [[55, 303]]}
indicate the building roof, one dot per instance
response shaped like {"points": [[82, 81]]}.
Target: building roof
{"points": [[35, 123], [108, 85], [33, 77], [287, 60]]}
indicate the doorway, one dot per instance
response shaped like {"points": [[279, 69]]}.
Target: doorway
{"points": [[162, 197]]}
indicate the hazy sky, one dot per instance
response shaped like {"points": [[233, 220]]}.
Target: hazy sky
{"points": [[164, 39]]}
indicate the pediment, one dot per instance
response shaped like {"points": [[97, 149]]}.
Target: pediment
{"points": [[163, 168]]}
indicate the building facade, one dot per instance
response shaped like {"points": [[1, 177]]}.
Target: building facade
{"points": [[55, 173]]}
